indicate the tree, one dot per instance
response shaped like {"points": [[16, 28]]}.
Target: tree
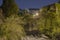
{"points": [[9, 7], [48, 21], [11, 28], [58, 11], [27, 19]]}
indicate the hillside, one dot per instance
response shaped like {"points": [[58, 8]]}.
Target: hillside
{"points": [[29, 24]]}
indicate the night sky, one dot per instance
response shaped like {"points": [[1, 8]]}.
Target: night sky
{"points": [[32, 3]]}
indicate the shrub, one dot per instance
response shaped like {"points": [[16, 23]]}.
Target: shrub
{"points": [[11, 29]]}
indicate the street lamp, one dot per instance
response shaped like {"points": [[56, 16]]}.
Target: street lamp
{"points": [[35, 15]]}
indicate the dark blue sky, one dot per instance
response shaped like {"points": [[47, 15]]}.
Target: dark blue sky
{"points": [[32, 3]]}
